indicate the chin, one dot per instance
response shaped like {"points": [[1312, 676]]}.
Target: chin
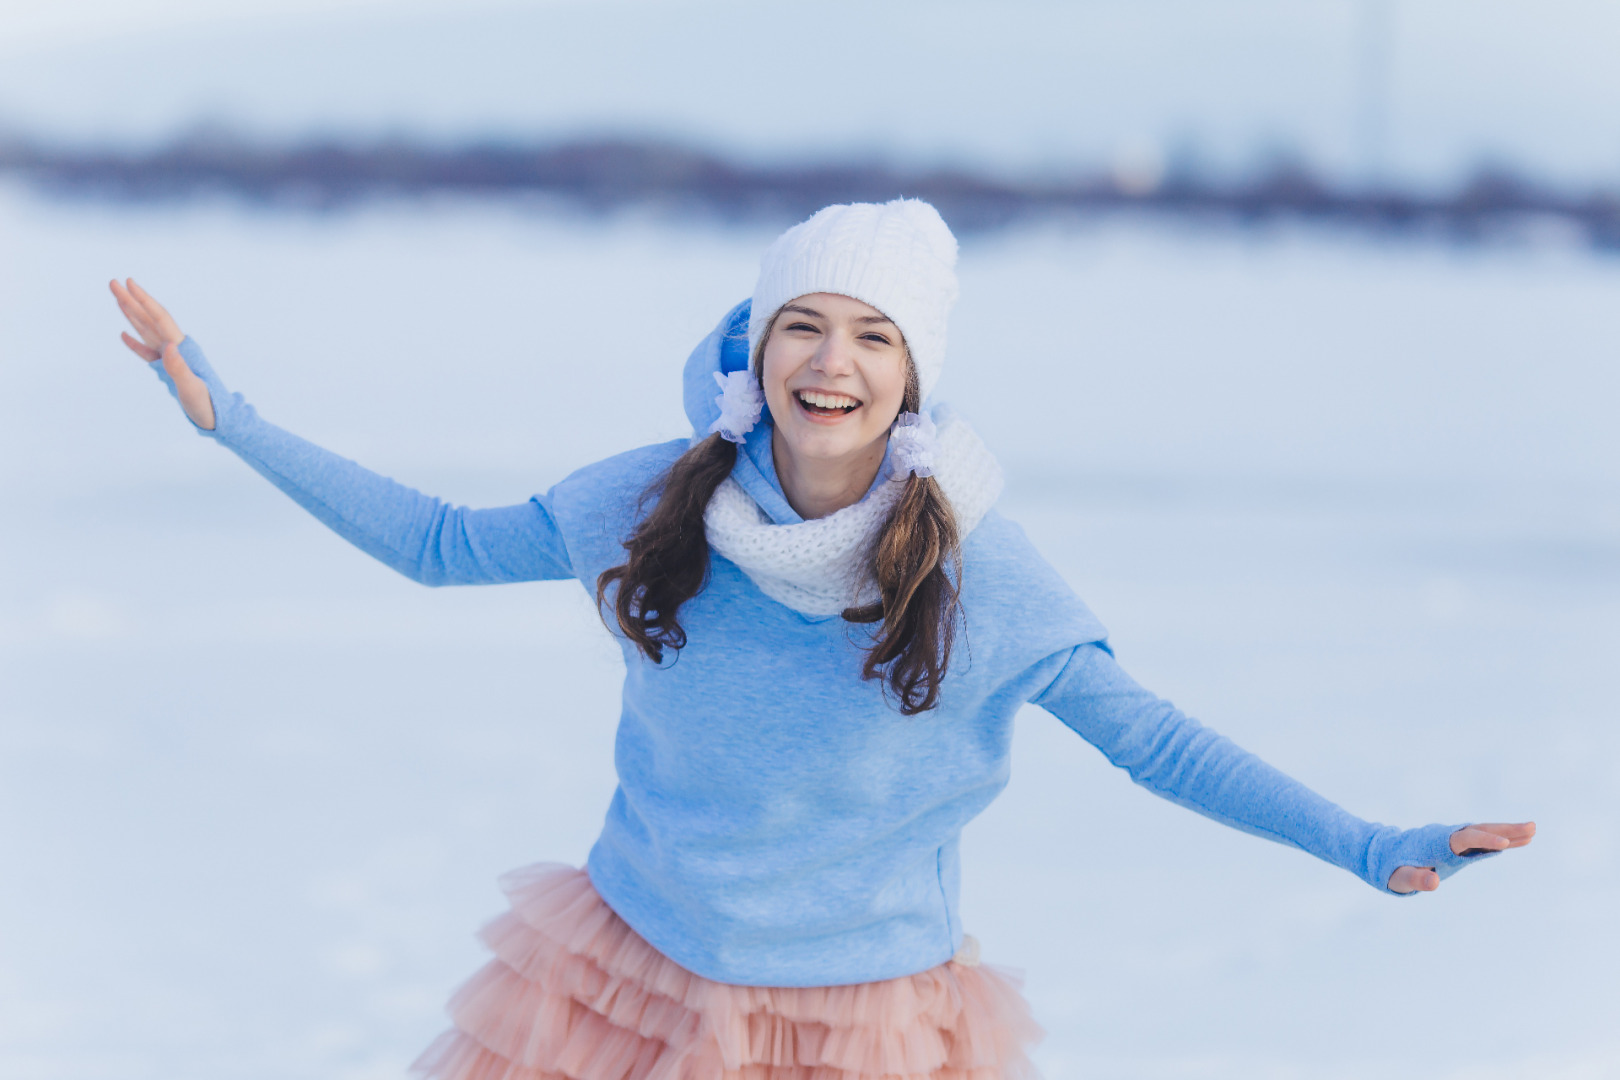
{"points": [[821, 446]]}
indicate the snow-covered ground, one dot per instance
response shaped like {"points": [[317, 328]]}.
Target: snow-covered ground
{"points": [[1358, 506]]}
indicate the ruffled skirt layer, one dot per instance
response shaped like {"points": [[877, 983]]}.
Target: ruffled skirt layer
{"points": [[574, 994]]}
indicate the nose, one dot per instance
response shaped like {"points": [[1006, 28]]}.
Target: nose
{"points": [[835, 357]]}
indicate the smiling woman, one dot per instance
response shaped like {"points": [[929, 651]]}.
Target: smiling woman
{"points": [[774, 894]]}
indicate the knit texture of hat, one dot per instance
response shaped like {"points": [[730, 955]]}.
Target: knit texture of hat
{"points": [[899, 257]]}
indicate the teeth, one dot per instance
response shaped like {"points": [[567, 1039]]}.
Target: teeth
{"points": [[826, 401]]}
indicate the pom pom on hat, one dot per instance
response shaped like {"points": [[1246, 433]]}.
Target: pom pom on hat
{"points": [[899, 257]]}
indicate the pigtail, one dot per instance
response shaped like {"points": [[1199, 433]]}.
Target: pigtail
{"points": [[667, 557], [916, 563]]}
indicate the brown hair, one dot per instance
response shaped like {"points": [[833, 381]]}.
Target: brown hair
{"points": [[916, 563]]}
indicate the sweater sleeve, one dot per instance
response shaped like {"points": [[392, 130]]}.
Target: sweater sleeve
{"points": [[1176, 757], [422, 537]]}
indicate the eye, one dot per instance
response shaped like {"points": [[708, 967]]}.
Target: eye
{"points": [[875, 336], [801, 326]]}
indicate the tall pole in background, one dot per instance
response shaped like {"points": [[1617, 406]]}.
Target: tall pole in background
{"points": [[1375, 41]]}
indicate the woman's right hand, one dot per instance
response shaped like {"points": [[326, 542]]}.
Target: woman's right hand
{"points": [[1470, 840], [160, 339]]}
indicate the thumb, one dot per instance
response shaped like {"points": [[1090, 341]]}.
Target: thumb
{"points": [[191, 390], [1410, 879]]}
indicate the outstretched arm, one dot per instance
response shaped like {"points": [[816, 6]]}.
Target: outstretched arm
{"points": [[422, 537], [1178, 758]]}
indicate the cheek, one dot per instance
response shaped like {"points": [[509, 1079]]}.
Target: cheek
{"points": [[774, 368], [888, 385]]}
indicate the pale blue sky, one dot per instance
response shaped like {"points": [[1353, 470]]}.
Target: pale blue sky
{"points": [[1018, 84]]}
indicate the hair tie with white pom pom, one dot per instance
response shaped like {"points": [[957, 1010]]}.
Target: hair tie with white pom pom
{"points": [[913, 445], [741, 401]]}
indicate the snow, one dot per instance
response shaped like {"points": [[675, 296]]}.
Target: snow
{"points": [[1353, 504]]}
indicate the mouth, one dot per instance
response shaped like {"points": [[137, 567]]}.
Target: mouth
{"points": [[826, 405]]}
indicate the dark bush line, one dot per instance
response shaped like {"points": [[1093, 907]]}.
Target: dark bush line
{"points": [[610, 174]]}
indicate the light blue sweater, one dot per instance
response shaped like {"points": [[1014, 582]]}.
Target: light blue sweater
{"points": [[777, 822]]}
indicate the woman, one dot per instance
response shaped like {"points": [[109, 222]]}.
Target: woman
{"points": [[827, 629]]}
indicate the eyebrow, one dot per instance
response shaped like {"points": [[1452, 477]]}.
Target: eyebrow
{"points": [[812, 312]]}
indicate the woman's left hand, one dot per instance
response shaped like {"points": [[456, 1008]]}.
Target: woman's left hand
{"points": [[1474, 840], [160, 343]]}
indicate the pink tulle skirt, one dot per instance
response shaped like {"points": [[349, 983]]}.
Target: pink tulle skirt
{"points": [[574, 994]]}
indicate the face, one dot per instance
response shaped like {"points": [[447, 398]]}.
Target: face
{"points": [[834, 375]]}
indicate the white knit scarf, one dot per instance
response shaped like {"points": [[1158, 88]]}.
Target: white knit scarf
{"points": [[822, 566]]}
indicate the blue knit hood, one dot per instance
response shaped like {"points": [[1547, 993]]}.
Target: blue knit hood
{"points": [[725, 350]]}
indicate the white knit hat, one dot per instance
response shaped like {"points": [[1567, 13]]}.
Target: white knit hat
{"points": [[899, 257]]}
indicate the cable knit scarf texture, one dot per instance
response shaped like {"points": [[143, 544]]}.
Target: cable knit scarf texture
{"points": [[822, 566]]}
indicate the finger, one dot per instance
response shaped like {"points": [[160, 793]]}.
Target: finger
{"points": [[127, 299], [1477, 839], [160, 315], [151, 312], [126, 303], [143, 328], [1466, 841], [150, 355], [142, 318], [1518, 834], [1410, 879], [137, 318], [144, 296]]}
